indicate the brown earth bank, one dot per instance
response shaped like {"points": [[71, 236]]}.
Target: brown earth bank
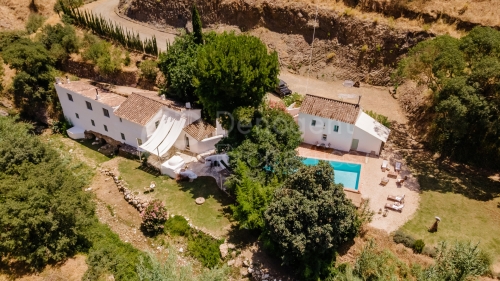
{"points": [[349, 47], [465, 14]]}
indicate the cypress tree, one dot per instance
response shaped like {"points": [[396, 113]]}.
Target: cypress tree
{"points": [[197, 27]]}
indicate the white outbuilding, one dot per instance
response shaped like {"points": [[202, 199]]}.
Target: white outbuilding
{"points": [[340, 125]]}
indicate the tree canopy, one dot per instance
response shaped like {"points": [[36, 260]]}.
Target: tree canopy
{"points": [[464, 75], [309, 218], [264, 143], [33, 84], [178, 64], [43, 210], [234, 71]]}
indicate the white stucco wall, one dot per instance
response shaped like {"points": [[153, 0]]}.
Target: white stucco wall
{"points": [[194, 145], [367, 142], [340, 140], [132, 131]]}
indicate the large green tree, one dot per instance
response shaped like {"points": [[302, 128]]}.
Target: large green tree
{"points": [[464, 76], [309, 218], [263, 154], [33, 84], [234, 71], [43, 210]]}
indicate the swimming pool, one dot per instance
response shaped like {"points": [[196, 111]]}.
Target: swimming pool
{"points": [[344, 173]]}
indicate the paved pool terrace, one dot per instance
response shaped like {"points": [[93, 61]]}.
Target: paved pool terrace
{"points": [[369, 183]]}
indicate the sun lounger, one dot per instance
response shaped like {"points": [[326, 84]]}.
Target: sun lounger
{"points": [[397, 198], [395, 206], [384, 181], [384, 165], [397, 167], [392, 174]]}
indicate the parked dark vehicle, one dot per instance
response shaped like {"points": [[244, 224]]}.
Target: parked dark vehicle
{"points": [[282, 89]]}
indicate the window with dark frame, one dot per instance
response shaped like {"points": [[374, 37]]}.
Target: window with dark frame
{"points": [[106, 112], [105, 128], [70, 97], [335, 128], [313, 123], [157, 123], [89, 105], [77, 116], [139, 142], [92, 121], [120, 119], [324, 137], [123, 136]]}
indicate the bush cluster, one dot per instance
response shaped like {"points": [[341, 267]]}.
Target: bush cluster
{"points": [[154, 217], [200, 246], [402, 238], [177, 225]]}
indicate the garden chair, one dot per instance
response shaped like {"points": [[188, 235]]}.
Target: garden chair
{"points": [[395, 206], [397, 198], [385, 164]]}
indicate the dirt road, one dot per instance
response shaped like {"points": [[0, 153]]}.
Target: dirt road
{"points": [[106, 8]]}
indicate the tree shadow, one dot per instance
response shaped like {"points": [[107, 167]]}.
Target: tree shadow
{"points": [[206, 187], [442, 175]]}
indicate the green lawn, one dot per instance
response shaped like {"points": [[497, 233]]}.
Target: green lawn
{"points": [[467, 201], [179, 197]]}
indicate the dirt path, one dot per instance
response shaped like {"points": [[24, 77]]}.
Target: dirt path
{"points": [[107, 8]]}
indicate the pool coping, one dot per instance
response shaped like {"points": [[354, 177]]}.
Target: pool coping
{"points": [[345, 188]]}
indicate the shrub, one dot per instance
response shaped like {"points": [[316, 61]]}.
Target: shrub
{"points": [[35, 21], [149, 70], [127, 60], [364, 48], [154, 217], [177, 225], [204, 248], [429, 251], [418, 246], [293, 98], [403, 238]]}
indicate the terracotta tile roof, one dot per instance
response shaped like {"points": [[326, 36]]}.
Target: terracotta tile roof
{"points": [[329, 108], [200, 129], [138, 109], [169, 103], [87, 90]]}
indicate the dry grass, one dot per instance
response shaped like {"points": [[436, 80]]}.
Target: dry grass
{"points": [[14, 13], [472, 13]]}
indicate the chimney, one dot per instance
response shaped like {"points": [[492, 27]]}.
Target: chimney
{"points": [[67, 79], [188, 105], [96, 94], [359, 99], [58, 80], [162, 97]]}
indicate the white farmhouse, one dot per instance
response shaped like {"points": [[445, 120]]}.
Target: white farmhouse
{"points": [[340, 125], [141, 121]]}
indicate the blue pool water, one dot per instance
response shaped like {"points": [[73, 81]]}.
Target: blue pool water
{"points": [[344, 173]]}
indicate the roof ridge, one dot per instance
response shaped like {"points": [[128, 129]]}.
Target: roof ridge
{"points": [[355, 104]]}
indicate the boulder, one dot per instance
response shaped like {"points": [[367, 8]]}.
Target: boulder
{"points": [[223, 250]]}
